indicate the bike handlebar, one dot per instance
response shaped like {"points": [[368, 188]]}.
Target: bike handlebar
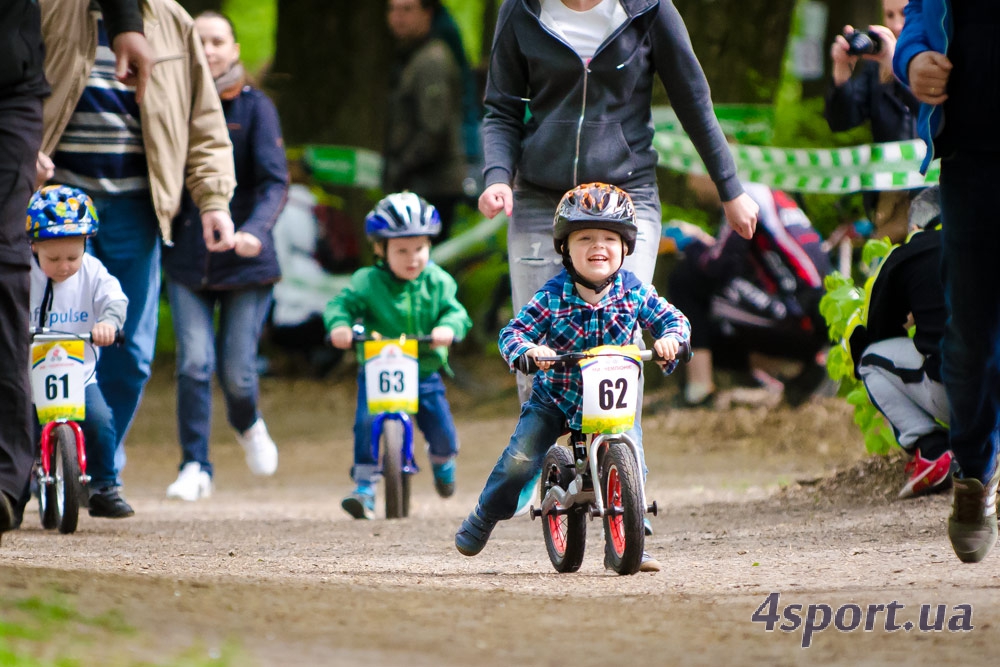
{"points": [[49, 336], [528, 365]]}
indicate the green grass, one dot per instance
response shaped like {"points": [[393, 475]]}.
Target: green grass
{"points": [[49, 631]]}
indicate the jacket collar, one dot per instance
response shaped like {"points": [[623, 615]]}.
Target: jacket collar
{"points": [[632, 7]]}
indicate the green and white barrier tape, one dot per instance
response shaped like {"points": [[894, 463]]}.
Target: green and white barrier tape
{"points": [[888, 166]]}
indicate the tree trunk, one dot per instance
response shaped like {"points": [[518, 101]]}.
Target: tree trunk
{"points": [[740, 44], [330, 71]]}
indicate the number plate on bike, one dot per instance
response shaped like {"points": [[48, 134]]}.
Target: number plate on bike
{"points": [[391, 375], [57, 380], [610, 389]]}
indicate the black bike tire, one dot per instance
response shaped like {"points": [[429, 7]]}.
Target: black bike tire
{"points": [[565, 534], [395, 481], [70, 490], [624, 533]]}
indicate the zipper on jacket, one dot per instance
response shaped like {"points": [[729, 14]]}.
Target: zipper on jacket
{"points": [[579, 125]]}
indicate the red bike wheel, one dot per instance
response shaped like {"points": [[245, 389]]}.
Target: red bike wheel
{"points": [[565, 533], [624, 534]]}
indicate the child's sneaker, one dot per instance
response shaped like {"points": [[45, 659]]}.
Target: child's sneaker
{"points": [[191, 484], [444, 478], [927, 476], [473, 534], [108, 503], [262, 453], [360, 504], [648, 563]]}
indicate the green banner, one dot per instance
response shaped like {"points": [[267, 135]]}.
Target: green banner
{"points": [[888, 166], [344, 165]]}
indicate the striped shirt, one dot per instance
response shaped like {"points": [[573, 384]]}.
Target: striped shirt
{"points": [[101, 150], [557, 317]]}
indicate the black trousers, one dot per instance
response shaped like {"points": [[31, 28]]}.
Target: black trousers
{"points": [[20, 139]]}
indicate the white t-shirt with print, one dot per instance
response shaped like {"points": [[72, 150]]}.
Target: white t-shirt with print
{"points": [[77, 303], [584, 31]]}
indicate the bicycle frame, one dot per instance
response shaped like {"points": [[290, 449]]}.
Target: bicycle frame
{"points": [[45, 442], [577, 494]]}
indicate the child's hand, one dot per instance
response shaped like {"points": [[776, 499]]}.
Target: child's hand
{"points": [[342, 337], [542, 351], [442, 336], [667, 347], [102, 334]]}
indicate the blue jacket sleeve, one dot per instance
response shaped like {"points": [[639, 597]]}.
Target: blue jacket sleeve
{"points": [[912, 40], [270, 169]]}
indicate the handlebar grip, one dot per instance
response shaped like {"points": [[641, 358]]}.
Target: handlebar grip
{"points": [[525, 364], [685, 352], [119, 337]]}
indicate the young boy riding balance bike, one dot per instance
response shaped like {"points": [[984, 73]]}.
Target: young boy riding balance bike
{"points": [[592, 302], [403, 294]]}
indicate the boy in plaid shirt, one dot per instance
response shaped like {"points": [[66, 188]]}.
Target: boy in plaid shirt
{"points": [[591, 302]]}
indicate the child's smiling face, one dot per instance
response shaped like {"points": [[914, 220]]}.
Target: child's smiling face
{"points": [[595, 253], [407, 257]]}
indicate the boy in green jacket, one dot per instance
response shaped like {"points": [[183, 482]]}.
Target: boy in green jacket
{"points": [[402, 294]]}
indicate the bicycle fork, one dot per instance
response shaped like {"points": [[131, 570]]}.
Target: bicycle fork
{"points": [[409, 465], [46, 451], [581, 490]]}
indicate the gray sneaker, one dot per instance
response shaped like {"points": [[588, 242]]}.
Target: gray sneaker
{"points": [[972, 526], [473, 534]]}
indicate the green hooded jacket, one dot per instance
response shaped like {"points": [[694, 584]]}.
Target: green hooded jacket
{"points": [[385, 304]]}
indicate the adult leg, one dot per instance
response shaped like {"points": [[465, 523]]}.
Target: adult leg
{"points": [[129, 246], [971, 344], [20, 138], [241, 321], [194, 329], [970, 347]]}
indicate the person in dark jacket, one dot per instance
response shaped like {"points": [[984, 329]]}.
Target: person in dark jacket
{"points": [[751, 296], [862, 88], [424, 150], [22, 88], [947, 55], [568, 101], [902, 374], [238, 282]]}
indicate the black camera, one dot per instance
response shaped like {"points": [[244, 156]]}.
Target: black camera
{"points": [[863, 43]]}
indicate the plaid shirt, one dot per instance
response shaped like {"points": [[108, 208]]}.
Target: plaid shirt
{"points": [[557, 317]]}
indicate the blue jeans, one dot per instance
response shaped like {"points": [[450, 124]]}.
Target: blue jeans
{"points": [[539, 426], [201, 351], [970, 348], [99, 436], [128, 244], [433, 419]]}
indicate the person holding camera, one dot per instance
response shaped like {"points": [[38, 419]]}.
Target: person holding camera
{"points": [[864, 88]]}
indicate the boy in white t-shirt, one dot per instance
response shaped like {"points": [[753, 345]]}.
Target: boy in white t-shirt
{"points": [[72, 292]]}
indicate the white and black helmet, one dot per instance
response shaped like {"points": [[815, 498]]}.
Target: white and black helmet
{"points": [[402, 214]]}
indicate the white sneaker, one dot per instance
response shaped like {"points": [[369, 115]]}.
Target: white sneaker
{"points": [[192, 483], [262, 453]]}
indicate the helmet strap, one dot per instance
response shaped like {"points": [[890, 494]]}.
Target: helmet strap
{"points": [[47, 297]]}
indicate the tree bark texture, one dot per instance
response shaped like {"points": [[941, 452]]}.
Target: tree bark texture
{"points": [[740, 44], [331, 66]]}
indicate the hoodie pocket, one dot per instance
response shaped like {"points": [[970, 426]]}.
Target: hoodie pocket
{"points": [[562, 154]]}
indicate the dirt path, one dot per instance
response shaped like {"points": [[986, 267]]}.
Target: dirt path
{"points": [[272, 572]]}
